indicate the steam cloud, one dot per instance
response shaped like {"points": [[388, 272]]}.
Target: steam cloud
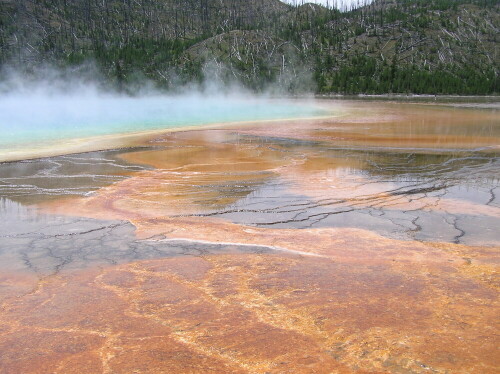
{"points": [[51, 105]]}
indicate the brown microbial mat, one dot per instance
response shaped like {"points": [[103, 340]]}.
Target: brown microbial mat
{"points": [[363, 243]]}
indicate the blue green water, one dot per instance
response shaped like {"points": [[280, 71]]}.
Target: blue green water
{"points": [[25, 120]]}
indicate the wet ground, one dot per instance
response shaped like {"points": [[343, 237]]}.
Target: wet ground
{"points": [[367, 242]]}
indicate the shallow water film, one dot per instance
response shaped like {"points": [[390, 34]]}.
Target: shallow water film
{"points": [[366, 242]]}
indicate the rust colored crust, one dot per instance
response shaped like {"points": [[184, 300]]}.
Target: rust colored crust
{"points": [[194, 166], [256, 314], [351, 301]]}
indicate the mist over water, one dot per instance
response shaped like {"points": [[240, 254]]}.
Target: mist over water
{"points": [[25, 119], [48, 111]]}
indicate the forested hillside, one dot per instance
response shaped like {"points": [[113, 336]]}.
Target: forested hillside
{"points": [[389, 46]]}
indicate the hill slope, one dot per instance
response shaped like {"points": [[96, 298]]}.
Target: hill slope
{"points": [[443, 46]]}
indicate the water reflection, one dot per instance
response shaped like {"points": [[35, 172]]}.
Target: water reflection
{"points": [[404, 195], [210, 203], [32, 181], [406, 172], [34, 242]]}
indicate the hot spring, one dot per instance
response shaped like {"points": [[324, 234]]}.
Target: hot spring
{"points": [[37, 120]]}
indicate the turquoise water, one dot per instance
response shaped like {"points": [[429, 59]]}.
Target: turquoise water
{"points": [[25, 120]]}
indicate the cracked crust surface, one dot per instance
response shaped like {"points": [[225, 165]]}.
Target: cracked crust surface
{"points": [[285, 249]]}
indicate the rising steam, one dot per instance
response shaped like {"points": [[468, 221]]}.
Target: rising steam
{"points": [[57, 105]]}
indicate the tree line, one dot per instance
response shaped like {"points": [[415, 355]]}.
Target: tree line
{"points": [[399, 46]]}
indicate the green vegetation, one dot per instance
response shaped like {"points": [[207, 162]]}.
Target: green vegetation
{"points": [[389, 46]]}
